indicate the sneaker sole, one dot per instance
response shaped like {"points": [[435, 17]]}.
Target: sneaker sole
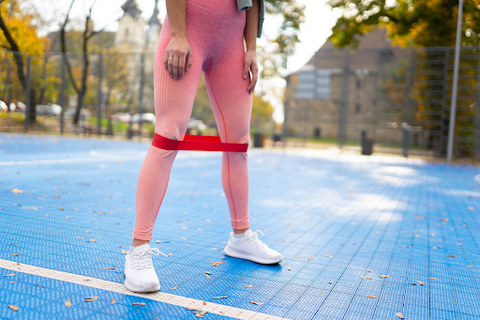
{"points": [[137, 289], [246, 256]]}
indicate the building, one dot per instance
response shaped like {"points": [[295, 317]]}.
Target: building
{"points": [[340, 94]]}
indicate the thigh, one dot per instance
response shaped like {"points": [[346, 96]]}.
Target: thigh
{"points": [[231, 102]]}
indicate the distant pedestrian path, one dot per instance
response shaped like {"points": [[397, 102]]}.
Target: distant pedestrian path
{"points": [[362, 237]]}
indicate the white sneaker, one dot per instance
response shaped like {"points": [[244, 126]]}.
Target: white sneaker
{"points": [[249, 247], [140, 276]]}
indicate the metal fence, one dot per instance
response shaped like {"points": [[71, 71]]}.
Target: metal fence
{"points": [[399, 99]]}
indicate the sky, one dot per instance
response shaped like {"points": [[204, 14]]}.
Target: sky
{"points": [[314, 32]]}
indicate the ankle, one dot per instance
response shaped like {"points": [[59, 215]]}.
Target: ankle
{"points": [[239, 231], [138, 242]]}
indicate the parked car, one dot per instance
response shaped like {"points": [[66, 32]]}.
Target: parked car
{"points": [[122, 117], [146, 117], [3, 106], [49, 110], [71, 112]]}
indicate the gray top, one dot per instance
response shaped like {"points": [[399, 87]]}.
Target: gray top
{"points": [[247, 4]]}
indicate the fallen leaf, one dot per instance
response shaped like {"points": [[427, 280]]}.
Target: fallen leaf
{"points": [[216, 264], [68, 303], [189, 245], [184, 228], [15, 254], [434, 248], [222, 297], [158, 241], [68, 217], [89, 299], [420, 283], [249, 286], [313, 257], [330, 283], [197, 314], [400, 315], [61, 208], [174, 288], [107, 268], [289, 269], [217, 249], [298, 257], [432, 234], [79, 238], [365, 277], [204, 303], [208, 277], [87, 280], [92, 240], [203, 313], [451, 256], [444, 219], [9, 275], [433, 279], [183, 238], [13, 307], [257, 303], [138, 303], [192, 309], [384, 276], [200, 229], [330, 256], [469, 267], [471, 208], [372, 297], [113, 301], [388, 301], [123, 251], [307, 259]]}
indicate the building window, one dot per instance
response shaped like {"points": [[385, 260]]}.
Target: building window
{"points": [[358, 108]]}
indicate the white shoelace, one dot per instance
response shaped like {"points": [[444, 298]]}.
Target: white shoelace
{"points": [[143, 259], [254, 238]]}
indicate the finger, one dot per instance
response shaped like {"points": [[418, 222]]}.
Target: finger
{"points": [[252, 87], [189, 61], [170, 67], [181, 66], [165, 61], [254, 80], [175, 66], [245, 70]]}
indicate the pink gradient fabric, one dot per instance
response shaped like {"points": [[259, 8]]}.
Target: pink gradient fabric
{"points": [[215, 32]]}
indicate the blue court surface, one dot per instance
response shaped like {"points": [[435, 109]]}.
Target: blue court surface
{"points": [[362, 237]]}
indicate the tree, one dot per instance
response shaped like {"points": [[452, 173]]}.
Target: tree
{"points": [[421, 23], [19, 35]]}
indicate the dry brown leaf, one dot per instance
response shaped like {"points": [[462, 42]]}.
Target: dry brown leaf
{"points": [[222, 297], [183, 238], [384, 276], [170, 254], [329, 256], [433, 279], [444, 219], [17, 191], [434, 248], [79, 238], [174, 288], [451, 256], [197, 314], [138, 303], [13, 307], [68, 303], [369, 271], [298, 257], [420, 283], [216, 264], [108, 268], [92, 240], [400, 315], [89, 299], [365, 277], [388, 301], [469, 267], [192, 309], [313, 257], [208, 277], [217, 249], [203, 313], [61, 208], [372, 297], [307, 259], [9, 275], [15, 254], [68, 217], [249, 286], [257, 303], [189, 245], [204, 303], [289, 269], [113, 301], [123, 251]]}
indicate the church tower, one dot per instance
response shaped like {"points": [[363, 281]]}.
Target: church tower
{"points": [[131, 35]]}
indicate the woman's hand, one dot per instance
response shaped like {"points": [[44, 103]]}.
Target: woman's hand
{"points": [[251, 65], [178, 57]]}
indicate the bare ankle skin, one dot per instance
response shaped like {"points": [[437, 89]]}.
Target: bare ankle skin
{"points": [[239, 231], [137, 242]]}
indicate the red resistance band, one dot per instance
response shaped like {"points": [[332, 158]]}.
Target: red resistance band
{"points": [[198, 143]]}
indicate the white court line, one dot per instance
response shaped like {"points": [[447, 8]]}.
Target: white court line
{"points": [[120, 288], [64, 161]]}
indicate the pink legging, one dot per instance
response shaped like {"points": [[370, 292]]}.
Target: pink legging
{"points": [[215, 32]]}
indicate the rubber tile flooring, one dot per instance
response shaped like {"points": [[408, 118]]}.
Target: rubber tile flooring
{"points": [[362, 237]]}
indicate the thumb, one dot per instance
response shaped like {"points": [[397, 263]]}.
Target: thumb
{"points": [[245, 70]]}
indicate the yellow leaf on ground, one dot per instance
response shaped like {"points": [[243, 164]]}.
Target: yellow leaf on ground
{"points": [[88, 299], [216, 264], [329, 256], [174, 288], [183, 238], [204, 303], [113, 301], [400, 315], [61, 208], [249, 286], [203, 313], [17, 191], [13, 307], [384, 276], [123, 251], [313, 257], [138, 303], [257, 303], [372, 297], [189, 245], [68, 303], [289, 269], [208, 277], [420, 283], [222, 297], [15, 254], [365, 277]]}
